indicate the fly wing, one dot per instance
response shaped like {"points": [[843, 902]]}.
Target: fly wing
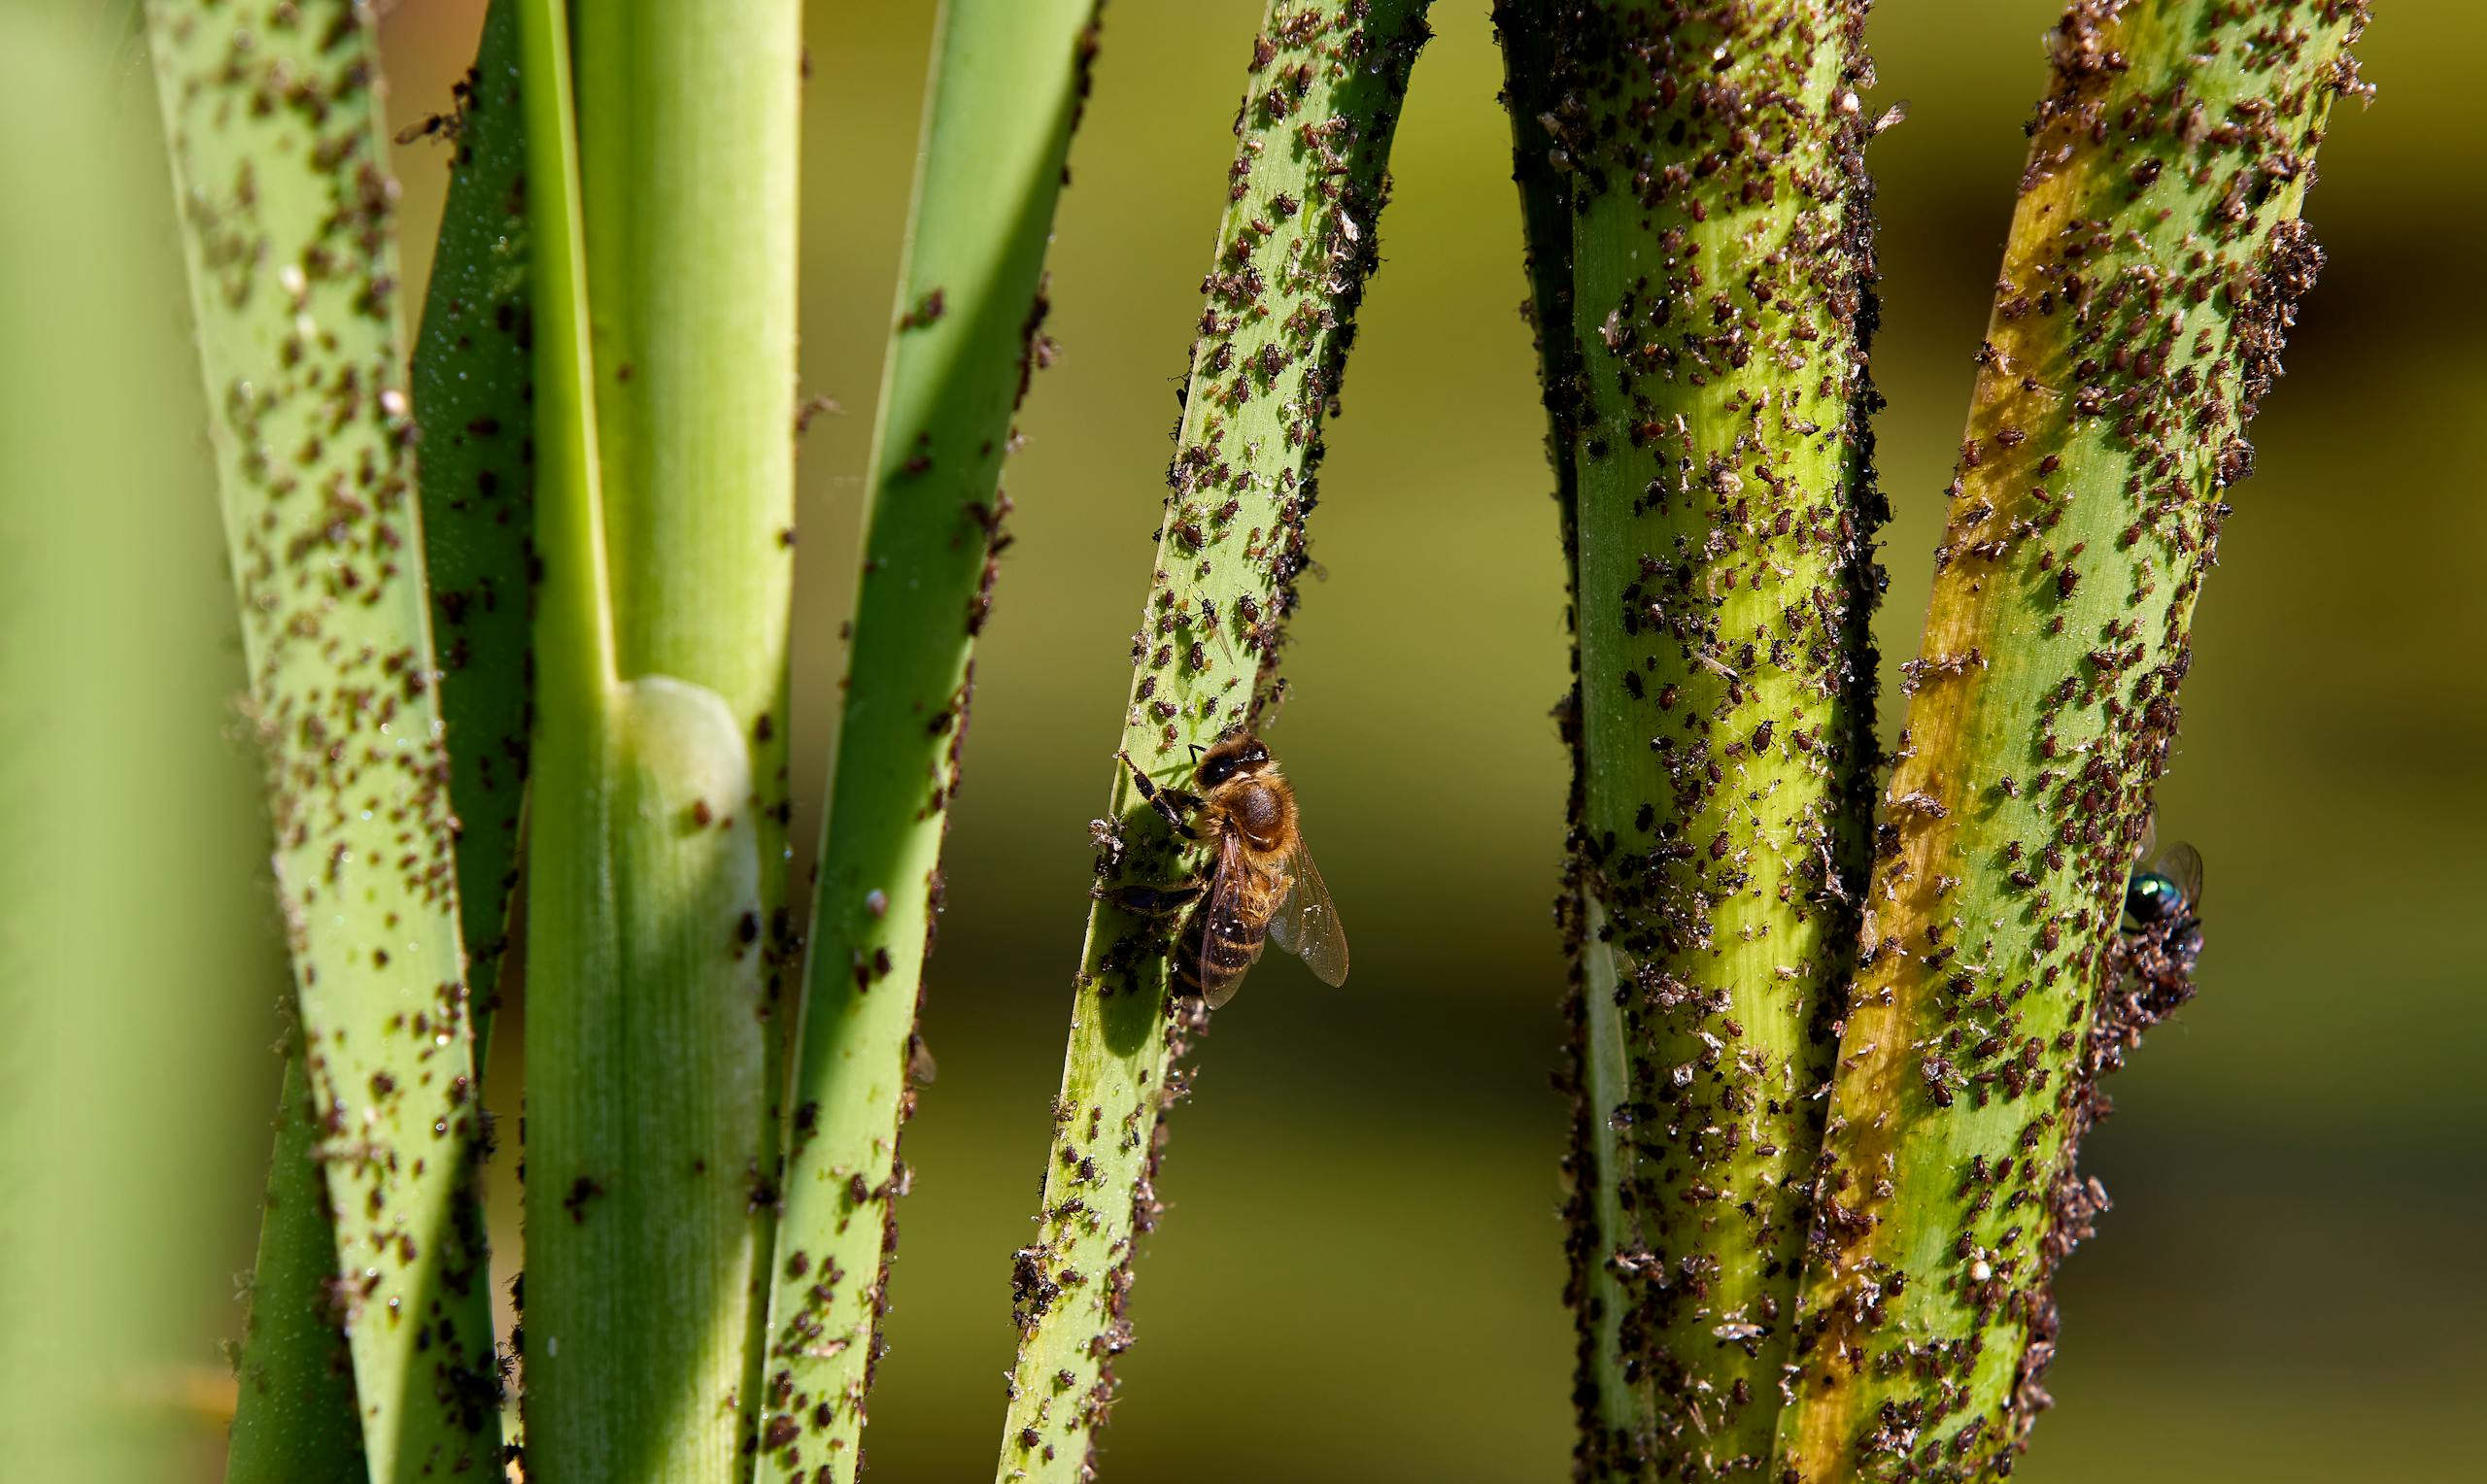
{"points": [[2182, 864], [1222, 922], [1307, 922]]}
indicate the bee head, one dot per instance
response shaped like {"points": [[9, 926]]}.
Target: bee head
{"points": [[1239, 753]]}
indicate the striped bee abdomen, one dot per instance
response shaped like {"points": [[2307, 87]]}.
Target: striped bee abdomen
{"points": [[1225, 935]]}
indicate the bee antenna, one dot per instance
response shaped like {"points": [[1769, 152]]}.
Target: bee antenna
{"points": [[1196, 751]]}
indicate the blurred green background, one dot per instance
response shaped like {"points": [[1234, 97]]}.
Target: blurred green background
{"points": [[1357, 1277]]}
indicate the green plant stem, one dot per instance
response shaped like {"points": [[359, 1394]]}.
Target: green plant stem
{"points": [[687, 141], [1721, 285], [473, 387], [1296, 244], [665, 246], [690, 130], [1006, 85], [2154, 264], [274, 133]]}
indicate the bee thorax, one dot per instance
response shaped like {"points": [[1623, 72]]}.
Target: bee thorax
{"points": [[1259, 814]]}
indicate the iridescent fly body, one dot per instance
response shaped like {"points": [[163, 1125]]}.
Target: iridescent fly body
{"points": [[2160, 937], [1262, 885]]}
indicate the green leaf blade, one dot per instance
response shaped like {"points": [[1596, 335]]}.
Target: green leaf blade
{"points": [[473, 390], [1007, 80], [2154, 264], [275, 136], [1295, 247]]}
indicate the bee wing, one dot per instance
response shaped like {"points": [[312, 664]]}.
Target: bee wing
{"points": [[1224, 918], [2182, 864], [1307, 922]]}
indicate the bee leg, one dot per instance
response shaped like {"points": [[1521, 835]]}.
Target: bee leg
{"points": [[1142, 900], [1170, 803]]}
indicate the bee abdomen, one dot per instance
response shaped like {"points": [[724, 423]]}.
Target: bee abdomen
{"points": [[1223, 948]]}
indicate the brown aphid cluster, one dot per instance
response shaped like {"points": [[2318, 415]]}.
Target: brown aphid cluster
{"points": [[1706, 383], [2155, 263], [1305, 193], [286, 205]]}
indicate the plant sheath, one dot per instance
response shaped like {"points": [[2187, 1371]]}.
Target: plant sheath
{"points": [[1008, 80], [1296, 244], [1721, 280], [2154, 264], [273, 126], [663, 274]]}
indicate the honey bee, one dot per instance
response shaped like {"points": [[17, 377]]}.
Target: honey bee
{"points": [[1263, 885]]}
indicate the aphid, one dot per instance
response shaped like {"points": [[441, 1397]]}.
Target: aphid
{"points": [[1263, 885]]}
